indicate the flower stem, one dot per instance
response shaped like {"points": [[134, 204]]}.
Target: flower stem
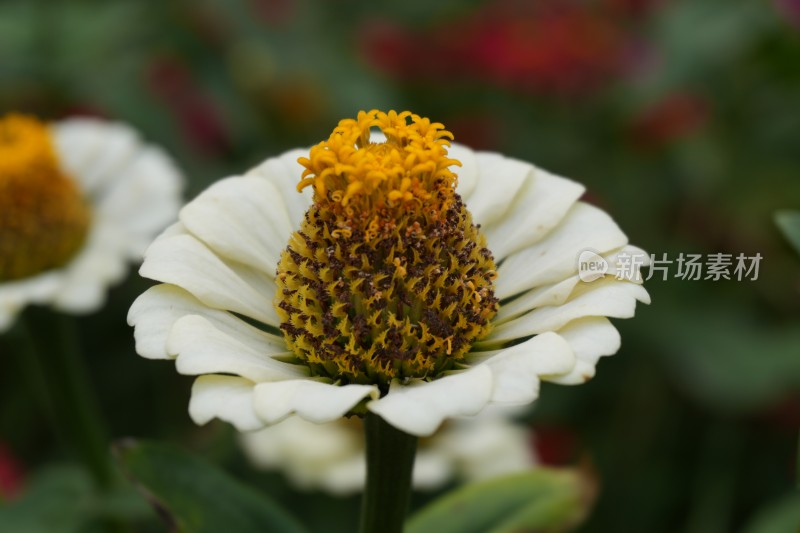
{"points": [[390, 462], [74, 411]]}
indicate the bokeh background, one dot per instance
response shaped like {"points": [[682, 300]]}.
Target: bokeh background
{"points": [[682, 117]]}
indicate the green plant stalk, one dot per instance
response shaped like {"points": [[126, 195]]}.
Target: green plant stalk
{"points": [[74, 411], [390, 462]]}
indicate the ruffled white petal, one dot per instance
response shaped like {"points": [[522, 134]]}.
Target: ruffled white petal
{"points": [[202, 349], [184, 261], [606, 297], [501, 179], [243, 219], [156, 310], [555, 257], [538, 207], [516, 371], [221, 257], [420, 407], [557, 293], [228, 398], [590, 339], [312, 400]]}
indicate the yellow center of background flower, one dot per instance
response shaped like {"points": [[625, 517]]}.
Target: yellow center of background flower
{"points": [[43, 217], [387, 277]]}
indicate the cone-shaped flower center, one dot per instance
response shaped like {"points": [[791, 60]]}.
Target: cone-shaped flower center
{"points": [[387, 276], [43, 217]]}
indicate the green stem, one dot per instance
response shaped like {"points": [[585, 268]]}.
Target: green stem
{"points": [[390, 462], [76, 416]]}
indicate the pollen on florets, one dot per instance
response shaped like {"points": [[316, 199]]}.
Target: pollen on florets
{"points": [[44, 218], [387, 277]]}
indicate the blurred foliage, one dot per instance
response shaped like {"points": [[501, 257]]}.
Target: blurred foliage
{"points": [[685, 128], [546, 500], [193, 496], [789, 223]]}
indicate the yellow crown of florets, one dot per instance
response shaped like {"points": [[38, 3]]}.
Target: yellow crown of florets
{"points": [[387, 276], [410, 165]]}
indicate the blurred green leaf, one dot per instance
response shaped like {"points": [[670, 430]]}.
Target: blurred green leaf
{"points": [[721, 355], [789, 223], [58, 500], [196, 497], [782, 516], [541, 500], [62, 499]]}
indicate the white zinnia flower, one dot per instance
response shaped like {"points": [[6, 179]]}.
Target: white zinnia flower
{"points": [[386, 297], [331, 456], [79, 198]]}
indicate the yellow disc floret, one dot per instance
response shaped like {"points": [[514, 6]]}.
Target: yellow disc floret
{"points": [[43, 217], [387, 277]]}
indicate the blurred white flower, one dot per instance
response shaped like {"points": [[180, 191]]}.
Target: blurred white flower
{"points": [[388, 297], [79, 199], [331, 456]]}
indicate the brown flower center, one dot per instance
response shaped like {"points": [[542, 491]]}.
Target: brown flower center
{"points": [[43, 217]]}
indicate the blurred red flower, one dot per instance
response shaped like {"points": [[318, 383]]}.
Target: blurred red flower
{"points": [[555, 445], [171, 81], [790, 9], [11, 474], [560, 48], [675, 117]]}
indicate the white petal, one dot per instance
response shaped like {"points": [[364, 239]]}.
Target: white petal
{"points": [[546, 295], [156, 310], [432, 468], [590, 339], [184, 261], [312, 400], [243, 219], [92, 151], [420, 407], [143, 197], [284, 173], [228, 398], [556, 256], [467, 172], [344, 477], [100, 263], [499, 180], [487, 446], [536, 209], [203, 349], [16, 295], [516, 371], [605, 297]]}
